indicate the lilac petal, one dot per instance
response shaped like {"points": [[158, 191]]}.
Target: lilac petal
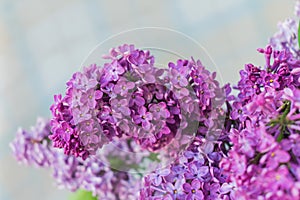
{"points": [[139, 101], [98, 94], [296, 149], [130, 85], [94, 139], [142, 110], [164, 172], [189, 154], [146, 125], [184, 92], [137, 119], [175, 110], [282, 156], [203, 170], [225, 188], [125, 111], [234, 115], [183, 82], [118, 88], [66, 136], [84, 139], [169, 187], [149, 78], [272, 163], [123, 125], [187, 187], [195, 184], [92, 83], [157, 180], [199, 195]]}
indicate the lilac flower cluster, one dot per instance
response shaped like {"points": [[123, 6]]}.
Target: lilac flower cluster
{"points": [[95, 174], [131, 97], [196, 173], [286, 37], [264, 161], [31, 147]]}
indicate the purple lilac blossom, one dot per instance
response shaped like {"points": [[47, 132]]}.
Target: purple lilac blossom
{"points": [[262, 164], [286, 37], [31, 147]]}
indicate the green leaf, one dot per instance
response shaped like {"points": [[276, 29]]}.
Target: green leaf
{"points": [[154, 157], [82, 195], [299, 34]]}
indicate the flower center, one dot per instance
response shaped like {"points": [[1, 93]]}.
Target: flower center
{"points": [[175, 191], [193, 191], [272, 154]]}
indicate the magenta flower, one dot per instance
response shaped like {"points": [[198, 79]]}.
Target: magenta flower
{"points": [[66, 131], [109, 115], [122, 87], [178, 78], [238, 111], [90, 97], [276, 180], [113, 71], [275, 157], [89, 137], [193, 190], [143, 117], [161, 128], [82, 82], [272, 80], [180, 92], [175, 190], [136, 99], [180, 66], [140, 58], [196, 171], [211, 191], [109, 90], [120, 106], [159, 110], [158, 176], [81, 114], [196, 156], [204, 93]]}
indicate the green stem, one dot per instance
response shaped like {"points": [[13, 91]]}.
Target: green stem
{"points": [[82, 195], [256, 159]]}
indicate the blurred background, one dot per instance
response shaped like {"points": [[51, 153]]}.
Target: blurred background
{"points": [[43, 42]]}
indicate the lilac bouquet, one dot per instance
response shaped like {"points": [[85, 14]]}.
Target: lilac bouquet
{"points": [[131, 130]]}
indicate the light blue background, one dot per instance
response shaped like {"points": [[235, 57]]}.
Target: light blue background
{"points": [[43, 42]]}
